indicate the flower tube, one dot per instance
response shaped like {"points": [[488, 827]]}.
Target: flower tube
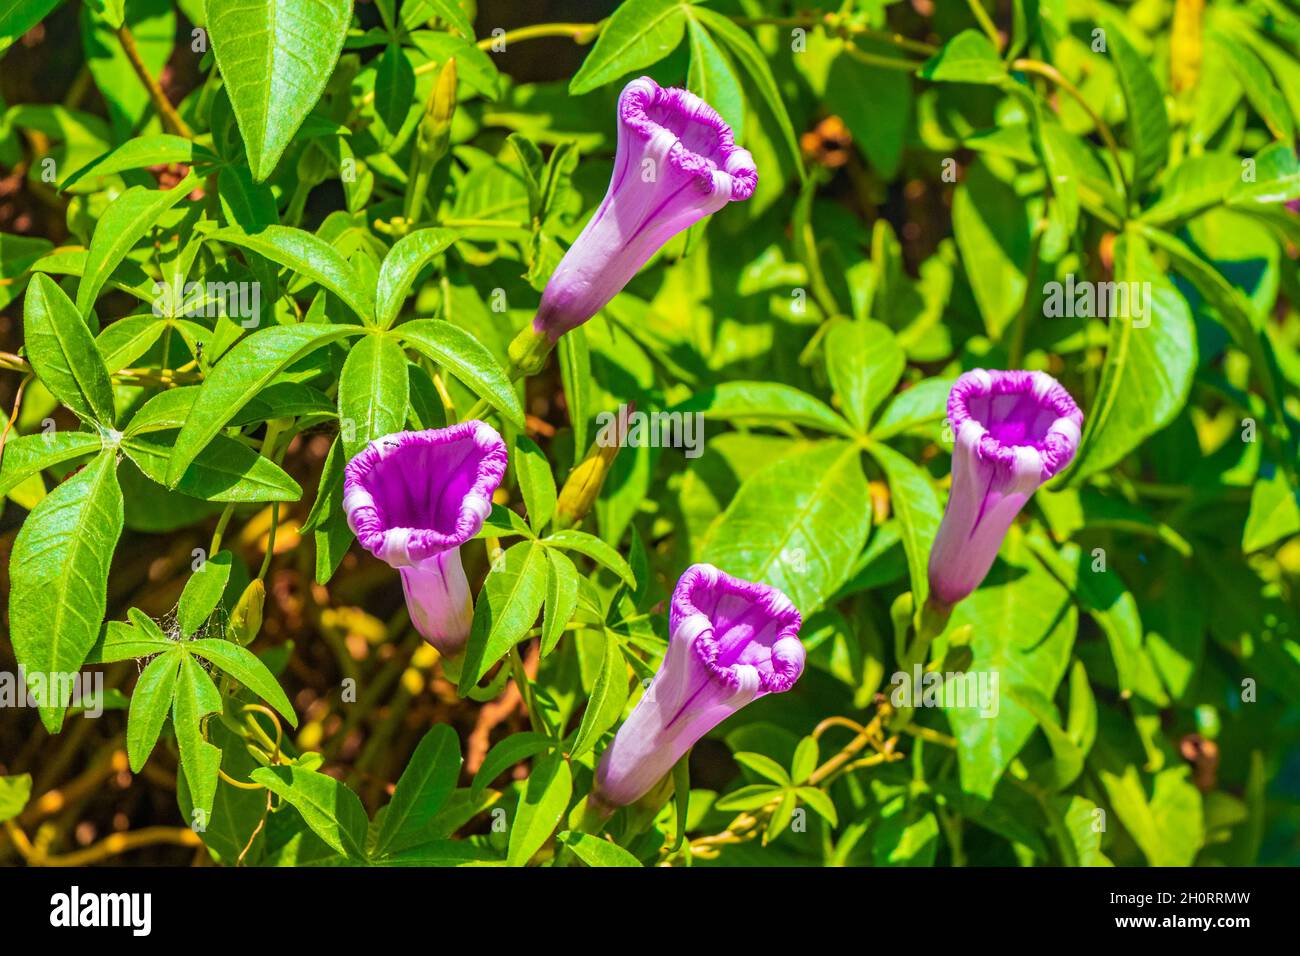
{"points": [[676, 163], [1014, 430], [412, 499], [731, 642]]}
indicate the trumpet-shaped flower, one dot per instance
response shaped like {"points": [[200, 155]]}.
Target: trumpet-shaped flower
{"points": [[676, 163], [1013, 431], [730, 642], [412, 499]]}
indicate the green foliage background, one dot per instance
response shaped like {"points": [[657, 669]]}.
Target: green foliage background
{"points": [[926, 171]]}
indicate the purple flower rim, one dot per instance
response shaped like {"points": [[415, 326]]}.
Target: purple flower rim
{"points": [[1055, 446], [643, 95], [367, 516], [762, 597]]}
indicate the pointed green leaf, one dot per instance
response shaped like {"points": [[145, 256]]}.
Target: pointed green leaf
{"points": [[63, 353], [150, 702], [247, 668], [423, 788], [374, 389], [468, 359]]}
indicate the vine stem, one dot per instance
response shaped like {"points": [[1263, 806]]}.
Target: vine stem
{"points": [[171, 119], [1049, 72], [986, 22], [108, 847]]}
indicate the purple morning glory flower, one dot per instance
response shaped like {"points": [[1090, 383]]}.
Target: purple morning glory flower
{"points": [[730, 642], [677, 162], [412, 499], [1013, 430]]}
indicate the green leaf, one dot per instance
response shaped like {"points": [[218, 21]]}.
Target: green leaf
{"points": [[561, 598], [1067, 757], [196, 697], [276, 57], [906, 838], [596, 549], [805, 759], [925, 403], [247, 668], [535, 481], [991, 226], [150, 702], [766, 403], [607, 698], [1276, 178], [394, 86], [333, 812], [16, 18], [468, 359], [755, 62], [63, 353], [124, 642], [745, 799], [595, 851], [1150, 361], [763, 766], [374, 389], [225, 470], [401, 267], [1147, 125], [505, 754], [575, 374], [310, 257], [796, 524], [507, 607], [1258, 85], [969, 57], [640, 33], [916, 506], [141, 152], [123, 224], [1274, 512], [423, 788], [202, 593], [27, 455], [240, 375], [1080, 827], [15, 791], [820, 802], [415, 13], [864, 362], [1168, 825], [712, 78], [1023, 626], [59, 577], [542, 803]]}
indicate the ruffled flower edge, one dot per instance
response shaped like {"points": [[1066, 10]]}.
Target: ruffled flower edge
{"points": [[767, 599], [420, 544], [1057, 447], [737, 175]]}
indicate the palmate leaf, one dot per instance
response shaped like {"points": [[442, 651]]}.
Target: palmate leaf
{"points": [[796, 524], [374, 388], [59, 576], [640, 33], [243, 372], [194, 699], [122, 225], [150, 702], [333, 811], [542, 803], [63, 353], [466, 358], [506, 608], [1150, 361], [311, 257], [27, 455], [425, 784], [275, 57]]}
